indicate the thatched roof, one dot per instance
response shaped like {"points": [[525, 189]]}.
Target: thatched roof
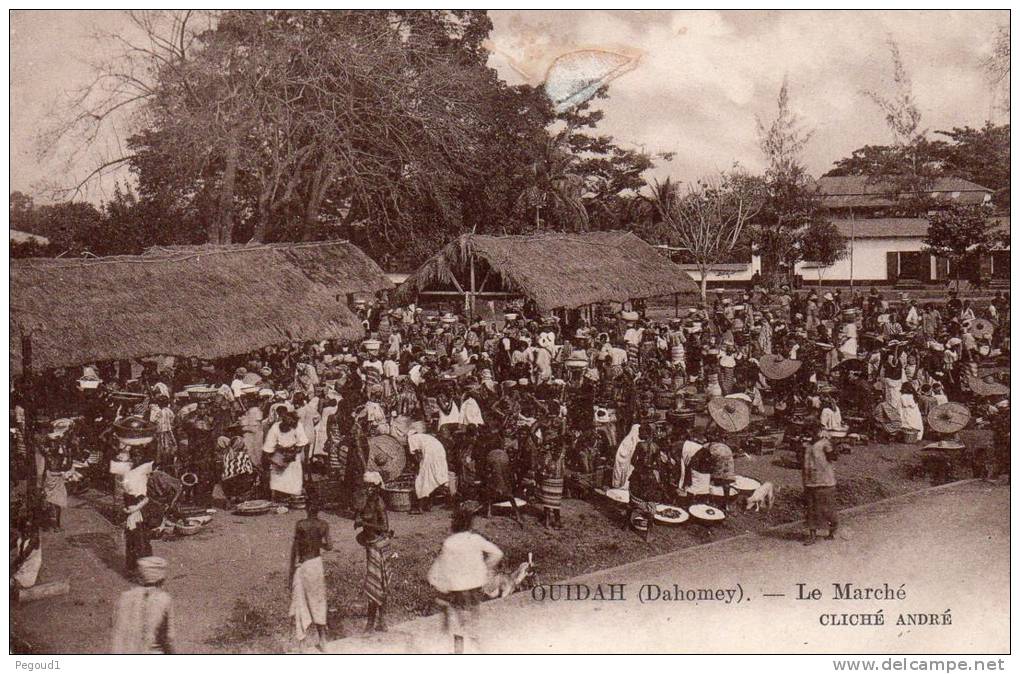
{"points": [[558, 270], [205, 301]]}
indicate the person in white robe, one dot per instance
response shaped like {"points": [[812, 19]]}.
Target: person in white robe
{"points": [[285, 443], [433, 471], [624, 454]]}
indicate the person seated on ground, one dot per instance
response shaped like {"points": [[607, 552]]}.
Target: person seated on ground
{"points": [[238, 475], [831, 418], [911, 421], [645, 490], [695, 469]]}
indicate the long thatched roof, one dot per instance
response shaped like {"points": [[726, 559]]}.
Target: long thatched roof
{"points": [[204, 301], [557, 270]]}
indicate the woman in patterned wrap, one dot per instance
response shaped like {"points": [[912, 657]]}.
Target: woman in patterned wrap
{"points": [[375, 536], [550, 486]]}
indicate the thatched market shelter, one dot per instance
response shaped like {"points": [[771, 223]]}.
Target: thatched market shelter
{"points": [[555, 270], [204, 301]]}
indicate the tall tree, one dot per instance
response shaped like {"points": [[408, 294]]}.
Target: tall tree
{"points": [[707, 220], [960, 232], [790, 204], [823, 244]]}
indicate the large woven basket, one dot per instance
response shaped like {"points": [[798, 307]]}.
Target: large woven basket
{"points": [[397, 498]]}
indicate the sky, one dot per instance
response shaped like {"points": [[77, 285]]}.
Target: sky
{"points": [[700, 79]]}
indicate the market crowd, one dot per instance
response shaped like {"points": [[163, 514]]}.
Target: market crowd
{"points": [[443, 410]]}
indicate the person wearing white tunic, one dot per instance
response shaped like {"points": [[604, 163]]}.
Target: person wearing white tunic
{"points": [[848, 345], [624, 454], [433, 471], [543, 362], [470, 412], [831, 417], [285, 439], [911, 419], [329, 408], [453, 416], [701, 483]]}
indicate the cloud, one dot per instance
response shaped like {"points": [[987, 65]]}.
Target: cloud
{"points": [[704, 76]]}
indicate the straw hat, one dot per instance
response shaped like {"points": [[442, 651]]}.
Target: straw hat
{"points": [[776, 367], [948, 418], [730, 414]]}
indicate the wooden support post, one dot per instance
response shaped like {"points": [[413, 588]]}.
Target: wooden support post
{"points": [[471, 300]]}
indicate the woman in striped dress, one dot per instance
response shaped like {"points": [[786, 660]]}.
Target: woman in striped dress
{"points": [[375, 536], [550, 494]]}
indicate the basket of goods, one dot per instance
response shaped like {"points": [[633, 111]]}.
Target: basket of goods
{"points": [[134, 430], [200, 391], [668, 514], [372, 345], [255, 507], [706, 514], [187, 528], [397, 494], [665, 400]]}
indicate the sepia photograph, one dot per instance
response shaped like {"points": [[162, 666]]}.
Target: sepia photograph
{"points": [[478, 331]]}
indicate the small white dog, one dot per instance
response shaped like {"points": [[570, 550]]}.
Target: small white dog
{"points": [[764, 495]]}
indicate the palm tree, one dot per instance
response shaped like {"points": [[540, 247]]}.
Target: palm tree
{"points": [[554, 188]]}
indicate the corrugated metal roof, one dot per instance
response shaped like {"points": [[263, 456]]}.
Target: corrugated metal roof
{"points": [[867, 192]]}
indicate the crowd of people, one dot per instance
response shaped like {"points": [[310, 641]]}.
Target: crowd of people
{"points": [[459, 410]]}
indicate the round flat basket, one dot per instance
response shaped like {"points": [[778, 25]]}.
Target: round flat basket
{"points": [[506, 504], [668, 514], [746, 485], [256, 507], [187, 529], [706, 514], [618, 495], [948, 418]]}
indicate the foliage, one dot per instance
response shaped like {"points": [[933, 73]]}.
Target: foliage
{"points": [[981, 156], [386, 128], [789, 205], [996, 66], [708, 220], [821, 242], [960, 231]]}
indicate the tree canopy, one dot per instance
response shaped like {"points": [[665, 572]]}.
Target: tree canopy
{"points": [[385, 127]]}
